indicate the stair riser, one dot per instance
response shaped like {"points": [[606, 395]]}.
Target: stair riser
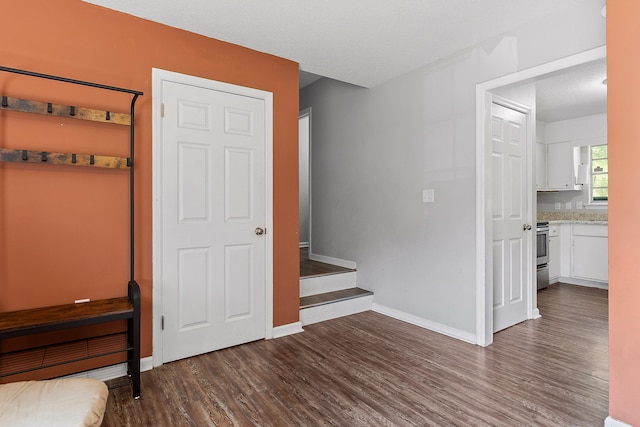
{"points": [[329, 283], [334, 310]]}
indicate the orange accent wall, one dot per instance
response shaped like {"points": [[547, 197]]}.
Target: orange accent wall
{"points": [[623, 73], [64, 230]]}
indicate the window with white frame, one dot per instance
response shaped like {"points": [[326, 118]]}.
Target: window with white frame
{"points": [[599, 174]]}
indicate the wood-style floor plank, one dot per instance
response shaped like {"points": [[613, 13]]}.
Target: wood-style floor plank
{"points": [[371, 370], [310, 268]]}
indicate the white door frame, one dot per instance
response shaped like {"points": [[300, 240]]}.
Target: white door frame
{"points": [[159, 76], [307, 112], [484, 227]]}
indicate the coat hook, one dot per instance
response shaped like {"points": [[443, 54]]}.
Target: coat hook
{"points": [[44, 156], [108, 115], [49, 108], [73, 158], [5, 102], [72, 111], [91, 160], [25, 155]]}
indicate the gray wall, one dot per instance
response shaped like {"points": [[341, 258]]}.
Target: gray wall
{"points": [[375, 150]]}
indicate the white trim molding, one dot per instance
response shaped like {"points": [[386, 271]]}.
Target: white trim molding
{"points": [[610, 422], [333, 261], [289, 329], [584, 282], [146, 364], [425, 323]]}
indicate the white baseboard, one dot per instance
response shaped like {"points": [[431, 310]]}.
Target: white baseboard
{"points": [[113, 371], [334, 310], [289, 329], [146, 364], [334, 261], [426, 324], [610, 422], [582, 282], [328, 283], [536, 313]]}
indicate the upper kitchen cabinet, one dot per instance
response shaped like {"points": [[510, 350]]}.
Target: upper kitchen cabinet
{"points": [[541, 166], [561, 167], [540, 158]]}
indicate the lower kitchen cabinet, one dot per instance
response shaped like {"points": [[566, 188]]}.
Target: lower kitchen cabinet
{"points": [[578, 254], [589, 255], [554, 253]]}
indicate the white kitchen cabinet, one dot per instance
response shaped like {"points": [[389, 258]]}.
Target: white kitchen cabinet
{"points": [[565, 252], [554, 253], [541, 166], [578, 254], [590, 252], [560, 167]]}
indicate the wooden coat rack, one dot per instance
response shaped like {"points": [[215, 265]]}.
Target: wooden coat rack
{"points": [[44, 319]]}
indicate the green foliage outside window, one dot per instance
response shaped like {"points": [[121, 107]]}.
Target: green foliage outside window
{"points": [[599, 173]]}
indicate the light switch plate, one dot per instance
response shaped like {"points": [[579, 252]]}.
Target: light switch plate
{"points": [[557, 206], [428, 196], [568, 205]]}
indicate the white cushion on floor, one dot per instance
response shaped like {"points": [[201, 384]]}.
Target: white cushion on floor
{"points": [[52, 403]]}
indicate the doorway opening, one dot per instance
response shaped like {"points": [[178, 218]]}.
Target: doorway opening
{"points": [[484, 184], [304, 176]]}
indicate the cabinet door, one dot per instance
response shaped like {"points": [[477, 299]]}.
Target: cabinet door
{"points": [[554, 254], [541, 166], [560, 166], [590, 257], [565, 250]]}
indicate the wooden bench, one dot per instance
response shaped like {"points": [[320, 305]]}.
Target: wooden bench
{"points": [[66, 316]]}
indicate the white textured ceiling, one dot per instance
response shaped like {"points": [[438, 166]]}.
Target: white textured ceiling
{"points": [[363, 42], [571, 93]]}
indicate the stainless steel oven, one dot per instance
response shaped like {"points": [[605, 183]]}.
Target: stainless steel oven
{"points": [[542, 254]]}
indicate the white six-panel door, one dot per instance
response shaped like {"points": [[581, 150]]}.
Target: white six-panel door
{"points": [[512, 233], [213, 211]]}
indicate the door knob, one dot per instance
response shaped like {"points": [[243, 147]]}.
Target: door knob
{"points": [[526, 227], [259, 231]]}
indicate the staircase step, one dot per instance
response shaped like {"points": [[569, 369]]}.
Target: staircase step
{"points": [[327, 283], [334, 296], [331, 305]]}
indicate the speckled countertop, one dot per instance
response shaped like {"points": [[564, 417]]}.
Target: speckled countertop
{"points": [[595, 218]]}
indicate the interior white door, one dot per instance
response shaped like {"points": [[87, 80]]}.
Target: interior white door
{"points": [[213, 217], [512, 231]]}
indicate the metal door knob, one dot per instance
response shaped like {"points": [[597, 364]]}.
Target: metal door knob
{"points": [[526, 227], [259, 231]]}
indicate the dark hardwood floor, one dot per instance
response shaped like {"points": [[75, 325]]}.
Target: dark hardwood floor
{"points": [[371, 370], [310, 268]]}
